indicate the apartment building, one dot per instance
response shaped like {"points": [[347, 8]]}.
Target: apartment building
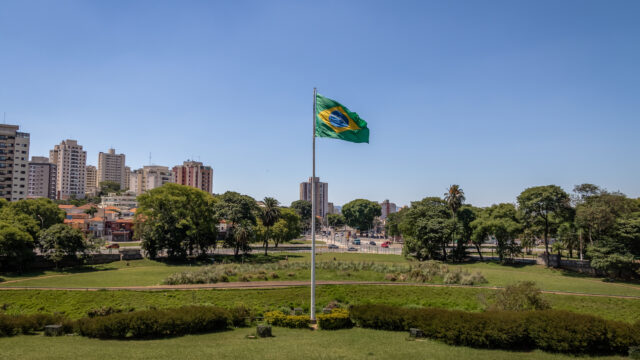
{"points": [[71, 162], [91, 180], [387, 208], [194, 174], [149, 177], [322, 195], [111, 167], [14, 163], [42, 178]]}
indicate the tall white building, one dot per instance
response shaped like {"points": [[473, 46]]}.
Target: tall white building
{"points": [[42, 178], [322, 195], [14, 163], [111, 167], [71, 162]]}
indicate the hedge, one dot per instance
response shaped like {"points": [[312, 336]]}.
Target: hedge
{"points": [[278, 318], [153, 324], [337, 319], [550, 330], [28, 324]]}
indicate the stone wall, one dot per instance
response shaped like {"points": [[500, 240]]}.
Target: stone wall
{"points": [[555, 261]]}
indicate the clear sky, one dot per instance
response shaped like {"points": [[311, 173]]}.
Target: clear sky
{"points": [[495, 96]]}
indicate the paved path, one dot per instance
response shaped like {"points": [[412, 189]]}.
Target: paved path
{"points": [[284, 284]]}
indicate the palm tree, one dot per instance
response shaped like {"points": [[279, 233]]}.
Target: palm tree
{"points": [[454, 198], [241, 235], [269, 214]]}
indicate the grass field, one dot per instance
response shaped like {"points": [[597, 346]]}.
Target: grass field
{"points": [[286, 344], [147, 272], [76, 304]]}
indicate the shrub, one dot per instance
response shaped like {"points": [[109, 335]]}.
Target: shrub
{"points": [[28, 324], [390, 277], [278, 318], [550, 330], [338, 319], [152, 324], [519, 297], [240, 315], [106, 310]]}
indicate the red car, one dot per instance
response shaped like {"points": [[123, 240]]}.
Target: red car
{"points": [[386, 244]]}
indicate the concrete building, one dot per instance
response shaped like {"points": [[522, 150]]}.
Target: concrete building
{"points": [[121, 201], [194, 174], [91, 180], [71, 162], [42, 178], [322, 195], [387, 208], [111, 167], [149, 177], [14, 163], [127, 177]]}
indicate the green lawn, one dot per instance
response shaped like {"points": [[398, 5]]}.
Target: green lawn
{"points": [[286, 344], [147, 272], [76, 304]]}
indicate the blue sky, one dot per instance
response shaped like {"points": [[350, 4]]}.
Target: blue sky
{"points": [[495, 96]]}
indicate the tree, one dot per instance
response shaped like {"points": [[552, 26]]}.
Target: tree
{"points": [[61, 241], [466, 215], [269, 215], [610, 258], [16, 247], [597, 214], [42, 210], [178, 219], [543, 205], [91, 211], [568, 237], [392, 223], [336, 220], [426, 227], [107, 187], [303, 208], [237, 210], [501, 222], [359, 213], [454, 198], [287, 228]]}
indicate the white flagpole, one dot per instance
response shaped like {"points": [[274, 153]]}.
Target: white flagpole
{"points": [[312, 310]]}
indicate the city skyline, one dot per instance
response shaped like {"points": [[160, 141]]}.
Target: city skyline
{"points": [[524, 95]]}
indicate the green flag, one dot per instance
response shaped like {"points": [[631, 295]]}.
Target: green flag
{"points": [[334, 120]]}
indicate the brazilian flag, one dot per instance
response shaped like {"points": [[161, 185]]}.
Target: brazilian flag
{"points": [[334, 120]]}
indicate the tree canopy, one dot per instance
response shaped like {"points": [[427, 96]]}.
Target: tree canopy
{"points": [[61, 241], [359, 213], [178, 219]]}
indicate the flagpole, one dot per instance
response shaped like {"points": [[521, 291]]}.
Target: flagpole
{"points": [[312, 310]]}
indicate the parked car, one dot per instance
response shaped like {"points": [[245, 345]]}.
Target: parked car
{"points": [[356, 242], [332, 246], [352, 249], [385, 244], [372, 243], [113, 246]]}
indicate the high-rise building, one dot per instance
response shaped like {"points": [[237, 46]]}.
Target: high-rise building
{"points": [[194, 174], [111, 168], [14, 163], [42, 178], [149, 177], [127, 178], [91, 180], [387, 208], [322, 195], [71, 162]]}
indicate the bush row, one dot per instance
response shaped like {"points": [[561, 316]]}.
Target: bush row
{"points": [[549, 330], [278, 318], [152, 324], [28, 324], [337, 319]]}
